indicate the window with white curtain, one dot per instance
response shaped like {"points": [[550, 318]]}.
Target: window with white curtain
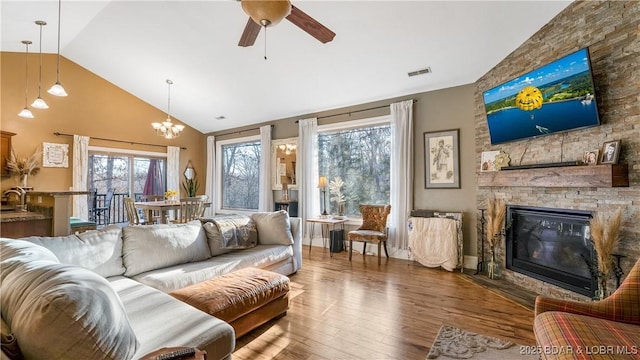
{"points": [[239, 166], [359, 152]]}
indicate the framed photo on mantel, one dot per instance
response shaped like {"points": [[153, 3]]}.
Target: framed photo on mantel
{"points": [[442, 159]]}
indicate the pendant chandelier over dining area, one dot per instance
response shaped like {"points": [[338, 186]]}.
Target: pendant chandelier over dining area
{"points": [[167, 128]]}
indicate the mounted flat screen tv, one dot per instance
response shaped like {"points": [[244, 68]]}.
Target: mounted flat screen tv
{"points": [[557, 97]]}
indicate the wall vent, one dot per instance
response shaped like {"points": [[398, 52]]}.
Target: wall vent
{"points": [[426, 70]]}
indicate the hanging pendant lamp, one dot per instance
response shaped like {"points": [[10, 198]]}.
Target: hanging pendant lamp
{"points": [[39, 102], [57, 89], [168, 129], [26, 113]]}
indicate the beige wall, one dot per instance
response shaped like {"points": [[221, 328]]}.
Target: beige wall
{"points": [[94, 108], [445, 109]]}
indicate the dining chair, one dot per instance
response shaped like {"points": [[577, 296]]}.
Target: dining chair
{"points": [[373, 229], [132, 212], [191, 208], [153, 216], [101, 214]]}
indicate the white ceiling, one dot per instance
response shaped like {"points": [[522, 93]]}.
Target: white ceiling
{"points": [[137, 45]]}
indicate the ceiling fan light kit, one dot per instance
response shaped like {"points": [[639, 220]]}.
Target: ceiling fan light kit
{"points": [[266, 12]]}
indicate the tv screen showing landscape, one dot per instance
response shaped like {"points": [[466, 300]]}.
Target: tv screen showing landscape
{"points": [[557, 97]]}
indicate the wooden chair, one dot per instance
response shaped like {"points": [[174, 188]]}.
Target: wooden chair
{"points": [[191, 208], [132, 212], [373, 229], [151, 217]]}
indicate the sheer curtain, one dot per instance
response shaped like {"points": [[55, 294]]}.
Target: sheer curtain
{"points": [[265, 203], [401, 172], [210, 179], [173, 168], [308, 203], [80, 175]]}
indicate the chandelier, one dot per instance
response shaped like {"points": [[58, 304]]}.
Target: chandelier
{"points": [[168, 129]]}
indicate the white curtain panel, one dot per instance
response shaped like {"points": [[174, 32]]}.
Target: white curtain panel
{"points": [[173, 168], [308, 199], [80, 175], [401, 172], [265, 202], [210, 179]]}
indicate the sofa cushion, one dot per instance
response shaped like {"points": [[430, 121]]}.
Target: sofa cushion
{"points": [[97, 250], [61, 311], [15, 252], [274, 228], [160, 321], [231, 232], [149, 247]]}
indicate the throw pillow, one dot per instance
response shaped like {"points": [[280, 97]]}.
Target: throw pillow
{"points": [[232, 232], [150, 247], [61, 311], [97, 250], [214, 238], [9, 343], [274, 228]]}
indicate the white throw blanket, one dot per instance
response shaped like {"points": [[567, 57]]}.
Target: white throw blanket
{"points": [[433, 242]]}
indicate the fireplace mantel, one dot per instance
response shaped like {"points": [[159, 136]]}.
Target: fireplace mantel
{"points": [[568, 176]]}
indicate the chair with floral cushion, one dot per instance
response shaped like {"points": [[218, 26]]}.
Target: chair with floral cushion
{"points": [[373, 229]]}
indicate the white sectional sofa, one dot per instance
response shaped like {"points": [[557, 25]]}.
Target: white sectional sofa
{"points": [[103, 294]]}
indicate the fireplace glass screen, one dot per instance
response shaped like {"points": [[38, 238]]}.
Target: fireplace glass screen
{"points": [[552, 245]]}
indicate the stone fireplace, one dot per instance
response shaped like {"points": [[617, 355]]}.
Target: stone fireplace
{"points": [[552, 245]]}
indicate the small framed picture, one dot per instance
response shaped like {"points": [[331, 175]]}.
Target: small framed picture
{"points": [[488, 160], [442, 159], [610, 152], [590, 157]]}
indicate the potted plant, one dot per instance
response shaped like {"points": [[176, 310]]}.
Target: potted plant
{"points": [[22, 167], [335, 189]]}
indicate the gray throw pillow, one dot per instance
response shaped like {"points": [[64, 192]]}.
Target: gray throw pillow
{"points": [[231, 232], [274, 228]]}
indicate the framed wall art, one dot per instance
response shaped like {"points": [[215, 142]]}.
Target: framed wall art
{"points": [[610, 152], [55, 155], [442, 159]]}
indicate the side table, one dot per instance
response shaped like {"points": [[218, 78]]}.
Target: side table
{"points": [[326, 225]]}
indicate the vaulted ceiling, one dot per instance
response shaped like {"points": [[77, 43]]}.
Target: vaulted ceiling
{"points": [[137, 45]]}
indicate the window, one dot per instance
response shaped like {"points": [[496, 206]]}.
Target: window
{"points": [[240, 173], [129, 174], [361, 157]]}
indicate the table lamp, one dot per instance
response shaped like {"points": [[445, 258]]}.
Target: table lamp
{"points": [[322, 185]]}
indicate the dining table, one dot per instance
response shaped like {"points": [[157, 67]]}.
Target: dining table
{"points": [[162, 207]]}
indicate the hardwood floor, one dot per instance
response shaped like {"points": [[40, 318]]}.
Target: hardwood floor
{"points": [[342, 310]]}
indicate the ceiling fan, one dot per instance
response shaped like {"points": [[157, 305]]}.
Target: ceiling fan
{"points": [[266, 13]]}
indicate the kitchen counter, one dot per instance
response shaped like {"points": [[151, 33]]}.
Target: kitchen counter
{"points": [[12, 216]]}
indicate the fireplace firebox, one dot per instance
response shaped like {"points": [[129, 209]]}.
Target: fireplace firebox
{"points": [[552, 245]]}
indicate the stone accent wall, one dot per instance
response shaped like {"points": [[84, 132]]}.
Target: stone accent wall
{"points": [[611, 30]]}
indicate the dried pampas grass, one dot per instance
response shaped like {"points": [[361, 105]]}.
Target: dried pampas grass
{"points": [[605, 234], [496, 213]]}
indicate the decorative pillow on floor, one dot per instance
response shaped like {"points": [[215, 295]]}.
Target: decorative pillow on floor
{"points": [[274, 228], [231, 232], [96, 250], [150, 247], [59, 311]]}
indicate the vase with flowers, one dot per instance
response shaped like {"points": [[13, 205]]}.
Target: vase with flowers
{"points": [[335, 189], [23, 167], [605, 233], [495, 230], [171, 195]]}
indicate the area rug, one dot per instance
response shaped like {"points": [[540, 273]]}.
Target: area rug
{"points": [[454, 343]]}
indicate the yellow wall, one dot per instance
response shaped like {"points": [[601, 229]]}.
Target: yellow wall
{"points": [[94, 108]]}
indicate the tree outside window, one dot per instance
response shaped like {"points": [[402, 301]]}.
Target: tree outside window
{"points": [[241, 175], [361, 157]]}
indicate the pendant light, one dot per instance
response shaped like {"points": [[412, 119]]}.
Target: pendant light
{"points": [[26, 113], [57, 89], [39, 102], [167, 129]]}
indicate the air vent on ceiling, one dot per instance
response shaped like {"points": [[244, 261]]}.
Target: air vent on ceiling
{"points": [[221, 117], [426, 70]]}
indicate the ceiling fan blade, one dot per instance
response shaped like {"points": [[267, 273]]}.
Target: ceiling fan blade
{"points": [[310, 25], [249, 34]]}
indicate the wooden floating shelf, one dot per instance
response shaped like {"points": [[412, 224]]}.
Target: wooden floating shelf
{"points": [[602, 176]]}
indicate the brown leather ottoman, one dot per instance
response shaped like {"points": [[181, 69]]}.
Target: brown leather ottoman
{"points": [[245, 298]]}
